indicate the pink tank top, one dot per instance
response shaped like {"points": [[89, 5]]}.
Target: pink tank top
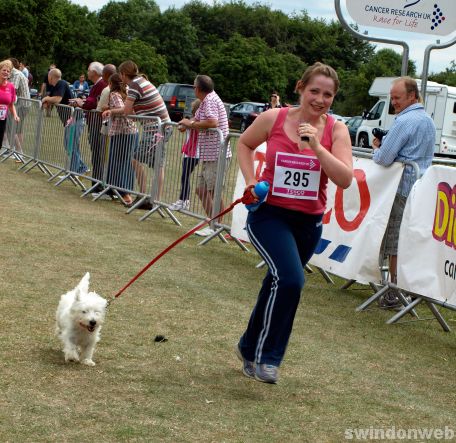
{"points": [[279, 142]]}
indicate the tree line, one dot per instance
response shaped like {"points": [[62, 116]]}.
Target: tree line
{"points": [[249, 50]]}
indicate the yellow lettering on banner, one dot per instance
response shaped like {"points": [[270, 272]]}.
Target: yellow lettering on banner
{"points": [[449, 240], [441, 219]]}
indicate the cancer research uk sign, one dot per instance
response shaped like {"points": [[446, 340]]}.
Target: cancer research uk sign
{"points": [[435, 17], [427, 240]]}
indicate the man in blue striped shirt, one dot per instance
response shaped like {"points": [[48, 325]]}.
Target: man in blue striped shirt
{"points": [[410, 138]]}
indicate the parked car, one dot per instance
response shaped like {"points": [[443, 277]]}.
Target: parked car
{"points": [[176, 97], [353, 123], [243, 114]]}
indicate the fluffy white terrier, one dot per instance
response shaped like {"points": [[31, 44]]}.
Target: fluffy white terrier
{"points": [[79, 318]]}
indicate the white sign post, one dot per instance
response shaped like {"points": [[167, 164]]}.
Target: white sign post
{"points": [[436, 17]]}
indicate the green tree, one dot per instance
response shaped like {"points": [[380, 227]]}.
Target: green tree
{"points": [[30, 29], [127, 20], [180, 48], [447, 77], [354, 96], [247, 69], [149, 62], [79, 34]]}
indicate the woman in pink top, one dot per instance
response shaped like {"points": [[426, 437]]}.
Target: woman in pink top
{"points": [[305, 147], [7, 96]]}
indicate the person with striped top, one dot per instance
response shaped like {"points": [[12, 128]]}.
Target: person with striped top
{"points": [[144, 99]]}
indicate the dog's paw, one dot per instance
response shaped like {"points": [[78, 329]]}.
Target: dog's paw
{"points": [[71, 356], [88, 362]]}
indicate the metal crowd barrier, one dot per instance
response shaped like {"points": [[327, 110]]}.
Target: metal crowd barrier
{"points": [[142, 157], [135, 155]]}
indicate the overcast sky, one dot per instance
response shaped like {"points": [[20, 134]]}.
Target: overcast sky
{"points": [[440, 59]]}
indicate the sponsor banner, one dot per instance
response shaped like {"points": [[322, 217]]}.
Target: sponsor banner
{"points": [[355, 222], [434, 17], [427, 240]]}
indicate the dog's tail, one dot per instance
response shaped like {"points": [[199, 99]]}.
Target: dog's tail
{"points": [[83, 286]]}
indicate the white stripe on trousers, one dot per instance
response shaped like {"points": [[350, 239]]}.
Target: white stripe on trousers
{"points": [[272, 296]]}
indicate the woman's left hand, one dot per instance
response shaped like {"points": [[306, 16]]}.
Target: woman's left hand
{"points": [[17, 119], [307, 130]]}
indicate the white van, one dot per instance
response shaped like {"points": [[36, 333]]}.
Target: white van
{"points": [[440, 105]]}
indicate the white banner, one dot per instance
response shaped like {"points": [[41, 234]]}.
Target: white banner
{"points": [[421, 16], [355, 222], [427, 241], [239, 212]]}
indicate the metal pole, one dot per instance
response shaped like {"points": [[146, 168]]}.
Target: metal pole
{"points": [[427, 56], [405, 46]]}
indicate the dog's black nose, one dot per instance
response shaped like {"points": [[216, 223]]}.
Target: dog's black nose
{"points": [[92, 322]]}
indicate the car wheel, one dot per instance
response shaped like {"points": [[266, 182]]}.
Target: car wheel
{"points": [[243, 126], [363, 141]]}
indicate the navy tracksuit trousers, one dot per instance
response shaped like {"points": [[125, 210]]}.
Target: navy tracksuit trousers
{"points": [[286, 240]]}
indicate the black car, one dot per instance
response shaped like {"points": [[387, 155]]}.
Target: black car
{"points": [[243, 114], [353, 124], [177, 98]]}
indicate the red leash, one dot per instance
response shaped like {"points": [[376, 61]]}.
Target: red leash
{"points": [[247, 199]]}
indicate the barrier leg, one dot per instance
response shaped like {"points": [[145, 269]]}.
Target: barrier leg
{"points": [[438, 316], [172, 216], [348, 284], [240, 244], [374, 286], [138, 203], [371, 300], [325, 275], [90, 190], [404, 311], [217, 233], [56, 174], [149, 213], [406, 302]]}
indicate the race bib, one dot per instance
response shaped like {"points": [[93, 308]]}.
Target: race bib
{"points": [[296, 176], [3, 112]]}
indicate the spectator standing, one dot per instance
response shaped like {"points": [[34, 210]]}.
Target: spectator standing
{"points": [[189, 161], [103, 105], [7, 96], [410, 138], [123, 140], [24, 70], [144, 99], [274, 101], [103, 102], [22, 91], [286, 229], [81, 87], [94, 121], [60, 94], [45, 86], [211, 114]]}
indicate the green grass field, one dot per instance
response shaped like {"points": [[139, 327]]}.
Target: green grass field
{"points": [[343, 370]]}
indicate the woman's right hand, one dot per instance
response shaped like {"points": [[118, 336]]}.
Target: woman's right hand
{"points": [[106, 114], [251, 186]]}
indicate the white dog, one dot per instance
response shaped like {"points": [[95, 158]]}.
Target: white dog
{"points": [[79, 318]]}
